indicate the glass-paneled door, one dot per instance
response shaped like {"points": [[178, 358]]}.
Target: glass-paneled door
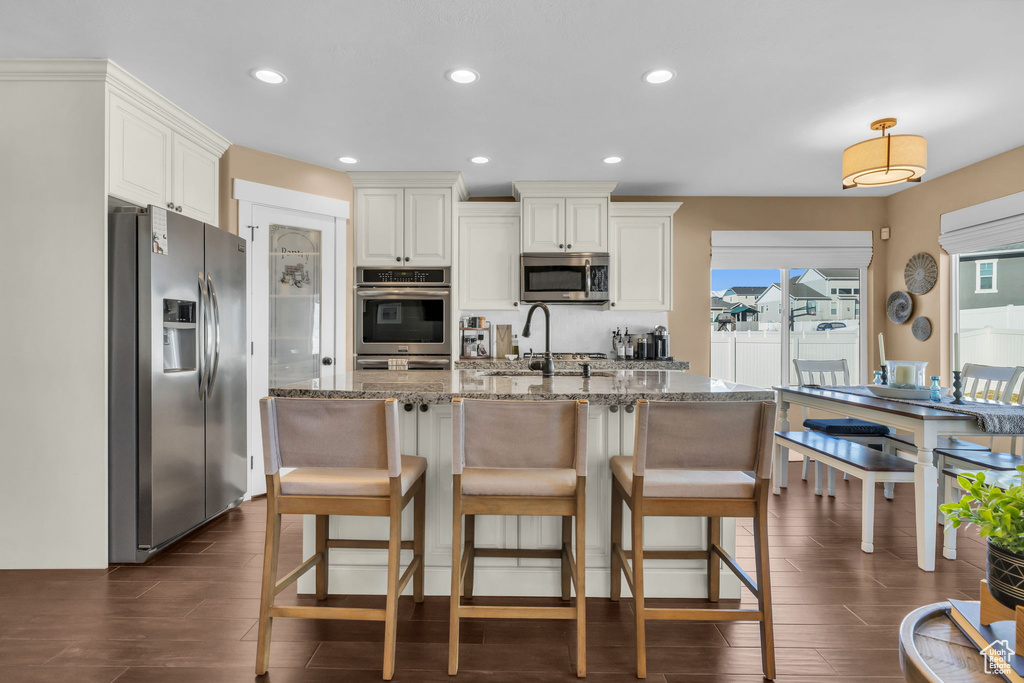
{"points": [[294, 304]]}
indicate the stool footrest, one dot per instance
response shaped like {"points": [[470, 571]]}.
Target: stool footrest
{"points": [[359, 544], [500, 612], [533, 553], [665, 613], [302, 612]]}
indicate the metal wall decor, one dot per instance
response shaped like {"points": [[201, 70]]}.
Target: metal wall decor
{"points": [[921, 328], [921, 273], [899, 307]]}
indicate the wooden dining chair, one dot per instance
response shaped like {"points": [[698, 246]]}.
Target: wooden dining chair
{"points": [[696, 459], [519, 458], [347, 460]]}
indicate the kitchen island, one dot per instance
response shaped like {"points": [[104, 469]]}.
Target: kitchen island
{"points": [[426, 430]]}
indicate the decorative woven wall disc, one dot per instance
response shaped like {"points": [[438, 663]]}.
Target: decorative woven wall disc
{"points": [[921, 273], [899, 307]]}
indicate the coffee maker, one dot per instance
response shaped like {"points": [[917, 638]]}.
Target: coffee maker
{"points": [[662, 350]]}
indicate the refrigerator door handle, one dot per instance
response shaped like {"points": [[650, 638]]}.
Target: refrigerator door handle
{"points": [[215, 315], [205, 303]]}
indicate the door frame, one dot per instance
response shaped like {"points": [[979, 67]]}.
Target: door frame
{"points": [[249, 196]]}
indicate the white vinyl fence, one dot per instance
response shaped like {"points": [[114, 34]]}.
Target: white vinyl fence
{"points": [[754, 358], [990, 346], [1000, 317]]}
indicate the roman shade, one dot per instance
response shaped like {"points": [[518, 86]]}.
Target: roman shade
{"points": [[991, 224], [790, 248]]}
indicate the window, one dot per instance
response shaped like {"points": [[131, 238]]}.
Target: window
{"points": [[856, 290], [833, 308], [985, 277], [835, 291], [845, 290]]}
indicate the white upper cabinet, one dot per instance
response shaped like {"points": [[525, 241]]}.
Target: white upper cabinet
{"points": [[428, 232], [405, 218], [489, 256], [564, 216], [543, 225], [586, 224], [641, 256], [380, 226], [158, 155]]}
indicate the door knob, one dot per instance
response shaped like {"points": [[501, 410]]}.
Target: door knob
{"points": [[327, 360]]}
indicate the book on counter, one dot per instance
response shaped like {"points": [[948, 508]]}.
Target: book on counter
{"points": [[991, 640]]}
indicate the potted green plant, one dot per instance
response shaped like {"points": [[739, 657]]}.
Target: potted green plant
{"points": [[996, 507]]}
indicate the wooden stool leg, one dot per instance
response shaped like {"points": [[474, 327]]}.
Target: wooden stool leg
{"points": [[418, 541], [616, 578], [566, 549], [270, 554], [467, 581], [581, 577], [321, 549], [764, 591], [638, 588], [714, 563], [394, 557], [867, 523], [456, 591]]}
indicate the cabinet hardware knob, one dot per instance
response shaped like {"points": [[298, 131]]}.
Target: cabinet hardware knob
{"points": [[630, 408], [613, 409], [561, 246], [423, 407], [327, 360], [170, 205], [408, 407], [178, 209], [568, 246], [613, 303], [406, 258], [398, 258], [515, 303]]}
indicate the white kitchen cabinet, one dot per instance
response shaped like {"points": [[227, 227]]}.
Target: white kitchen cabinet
{"points": [[149, 162], [641, 256], [139, 155], [489, 260], [405, 218], [586, 224], [543, 225], [380, 226]]}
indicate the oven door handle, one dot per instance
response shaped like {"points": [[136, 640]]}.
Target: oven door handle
{"points": [[411, 293]]}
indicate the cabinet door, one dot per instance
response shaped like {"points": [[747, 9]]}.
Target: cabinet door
{"points": [[641, 257], [586, 224], [380, 226], [489, 263], [428, 227], [543, 224], [196, 181], [139, 155]]}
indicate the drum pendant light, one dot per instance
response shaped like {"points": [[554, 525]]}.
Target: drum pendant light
{"points": [[885, 160]]}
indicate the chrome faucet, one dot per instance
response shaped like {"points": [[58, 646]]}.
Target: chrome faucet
{"points": [[546, 366]]}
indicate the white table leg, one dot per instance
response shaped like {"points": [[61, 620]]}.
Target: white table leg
{"points": [[925, 495], [781, 453], [817, 478], [949, 533], [832, 481], [867, 514], [887, 490]]}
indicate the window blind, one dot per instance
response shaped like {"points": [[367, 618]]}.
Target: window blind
{"points": [[995, 223], [790, 248]]}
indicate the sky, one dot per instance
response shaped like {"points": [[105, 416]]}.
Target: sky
{"points": [[724, 279]]}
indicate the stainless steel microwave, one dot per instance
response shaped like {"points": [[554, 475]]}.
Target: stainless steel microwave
{"points": [[565, 278]]}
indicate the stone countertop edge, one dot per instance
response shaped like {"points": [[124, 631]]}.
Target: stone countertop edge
{"points": [[414, 396], [596, 364]]}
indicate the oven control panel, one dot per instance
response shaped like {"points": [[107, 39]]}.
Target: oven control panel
{"points": [[406, 276]]}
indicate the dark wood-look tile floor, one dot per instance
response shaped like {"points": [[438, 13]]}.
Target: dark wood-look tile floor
{"points": [[190, 614]]}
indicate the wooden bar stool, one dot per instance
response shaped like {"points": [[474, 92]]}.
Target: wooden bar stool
{"points": [[519, 458], [346, 452], [694, 460]]}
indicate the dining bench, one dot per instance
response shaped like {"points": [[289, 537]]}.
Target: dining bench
{"points": [[863, 462]]}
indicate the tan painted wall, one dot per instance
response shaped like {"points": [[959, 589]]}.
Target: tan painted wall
{"points": [[270, 169], [914, 218], [698, 216]]}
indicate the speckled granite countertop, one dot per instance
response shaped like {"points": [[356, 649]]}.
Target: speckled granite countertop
{"points": [[597, 364], [606, 387]]}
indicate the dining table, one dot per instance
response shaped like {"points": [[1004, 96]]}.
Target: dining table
{"points": [[926, 422]]}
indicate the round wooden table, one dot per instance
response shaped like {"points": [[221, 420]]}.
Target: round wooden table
{"points": [[933, 650]]}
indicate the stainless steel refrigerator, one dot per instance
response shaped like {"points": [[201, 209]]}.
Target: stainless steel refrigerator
{"points": [[177, 389]]}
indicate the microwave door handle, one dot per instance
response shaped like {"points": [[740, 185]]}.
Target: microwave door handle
{"points": [[203, 302], [586, 265], [215, 315]]}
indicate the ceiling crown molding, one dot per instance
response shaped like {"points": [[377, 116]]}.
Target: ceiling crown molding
{"points": [[562, 188], [448, 179]]}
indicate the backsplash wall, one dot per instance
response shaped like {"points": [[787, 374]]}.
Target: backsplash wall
{"points": [[573, 328]]}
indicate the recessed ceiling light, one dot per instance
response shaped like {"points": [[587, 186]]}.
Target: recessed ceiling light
{"points": [[659, 76], [463, 76], [612, 160], [479, 160], [348, 160], [269, 76]]}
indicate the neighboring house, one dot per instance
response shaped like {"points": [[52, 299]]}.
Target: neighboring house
{"points": [[804, 301], [742, 295], [991, 279]]}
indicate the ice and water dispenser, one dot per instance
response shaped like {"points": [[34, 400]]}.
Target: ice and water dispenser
{"points": [[180, 348]]}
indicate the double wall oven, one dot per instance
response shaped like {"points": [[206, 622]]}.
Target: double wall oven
{"points": [[403, 313]]}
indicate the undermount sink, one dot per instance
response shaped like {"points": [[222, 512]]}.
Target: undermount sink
{"points": [[527, 373]]}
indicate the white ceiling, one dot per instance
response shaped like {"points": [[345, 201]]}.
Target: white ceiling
{"points": [[767, 95]]}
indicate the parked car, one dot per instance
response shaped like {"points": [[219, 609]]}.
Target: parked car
{"points": [[830, 326]]}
